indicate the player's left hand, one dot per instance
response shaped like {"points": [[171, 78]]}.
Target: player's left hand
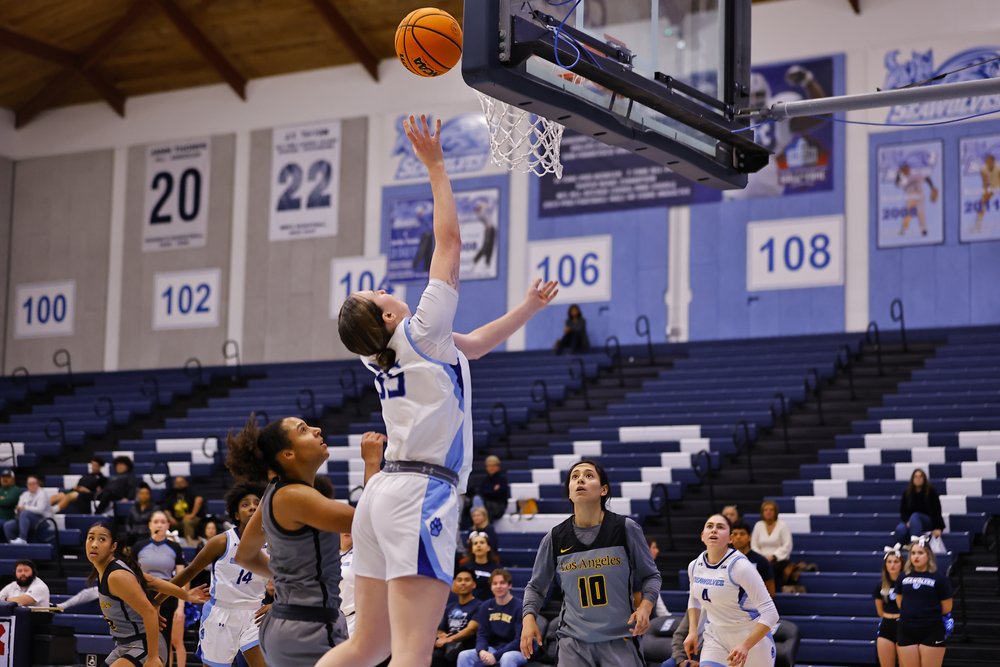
{"points": [[198, 594], [540, 295], [372, 444], [639, 620], [258, 616], [738, 656]]}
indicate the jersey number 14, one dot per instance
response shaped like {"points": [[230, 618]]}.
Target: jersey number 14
{"points": [[244, 577]]}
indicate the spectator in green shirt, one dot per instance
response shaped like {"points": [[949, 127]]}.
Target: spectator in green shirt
{"points": [[10, 492]]}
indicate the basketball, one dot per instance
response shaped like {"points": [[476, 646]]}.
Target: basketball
{"points": [[429, 41]]}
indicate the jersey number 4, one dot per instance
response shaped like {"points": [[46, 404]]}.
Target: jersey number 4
{"points": [[244, 577], [593, 591], [704, 595]]}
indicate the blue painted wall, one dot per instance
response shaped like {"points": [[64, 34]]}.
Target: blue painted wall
{"points": [[721, 307], [481, 300], [942, 285], [638, 279]]}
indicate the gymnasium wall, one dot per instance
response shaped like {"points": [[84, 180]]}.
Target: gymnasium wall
{"points": [[684, 262], [60, 236], [6, 201]]}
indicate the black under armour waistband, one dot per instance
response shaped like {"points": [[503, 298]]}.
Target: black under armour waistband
{"points": [[430, 469], [298, 612]]}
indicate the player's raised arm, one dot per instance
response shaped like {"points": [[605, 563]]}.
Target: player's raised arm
{"points": [[477, 343], [445, 261]]}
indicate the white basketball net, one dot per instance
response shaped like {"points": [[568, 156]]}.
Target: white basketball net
{"points": [[520, 140]]}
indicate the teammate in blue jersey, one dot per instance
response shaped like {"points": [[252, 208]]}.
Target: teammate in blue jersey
{"points": [[598, 557], [123, 597], [924, 597], [406, 522], [228, 625], [728, 588]]}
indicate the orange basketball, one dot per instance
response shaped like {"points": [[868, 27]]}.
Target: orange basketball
{"points": [[429, 41]]}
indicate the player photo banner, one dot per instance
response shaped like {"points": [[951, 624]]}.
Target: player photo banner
{"points": [[980, 186], [176, 195], [411, 235], [305, 181], [909, 185], [802, 159]]}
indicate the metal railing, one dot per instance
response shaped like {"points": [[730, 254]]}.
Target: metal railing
{"points": [[160, 465], [846, 364], [498, 418], [216, 455], [150, 388], [13, 453], [896, 313], [956, 569], [816, 389], [784, 418], [192, 368], [872, 337], [742, 427], [61, 358], [349, 383], [613, 348], [578, 371], [20, 375], [659, 502], [704, 475], [305, 400], [542, 396], [56, 430], [645, 331], [57, 542]]}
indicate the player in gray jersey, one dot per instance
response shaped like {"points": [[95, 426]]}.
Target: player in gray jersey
{"points": [[122, 596], [600, 558], [300, 526]]}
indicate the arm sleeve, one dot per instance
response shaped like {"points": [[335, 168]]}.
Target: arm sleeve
{"points": [[431, 326], [693, 601], [643, 568], [541, 578], [660, 608], [83, 597], [10, 500], [744, 575], [483, 632], [677, 640], [784, 550], [943, 586], [6, 590], [39, 590]]}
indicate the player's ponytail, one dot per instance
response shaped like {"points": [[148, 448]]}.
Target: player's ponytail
{"points": [[363, 332], [254, 451]]}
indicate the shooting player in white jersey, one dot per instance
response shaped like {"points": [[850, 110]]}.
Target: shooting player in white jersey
{"points": [[407, 520], [228, 625], [728, 588]]}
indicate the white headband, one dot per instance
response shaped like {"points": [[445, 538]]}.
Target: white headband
{"points": [[893, 551], [921, 540]]}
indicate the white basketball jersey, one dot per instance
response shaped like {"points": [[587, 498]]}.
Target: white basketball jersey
{"points": [[234, 587], [728, 593], [427, 407]]}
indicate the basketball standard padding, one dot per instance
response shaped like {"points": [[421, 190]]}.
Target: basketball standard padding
{"points": [[429, 41]]}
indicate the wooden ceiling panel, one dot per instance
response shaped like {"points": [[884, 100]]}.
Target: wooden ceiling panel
{"points": [[21, 76], [68, 24]]}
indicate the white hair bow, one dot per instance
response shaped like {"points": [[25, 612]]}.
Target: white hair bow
{"points": [[921, 540], [894, 550]]}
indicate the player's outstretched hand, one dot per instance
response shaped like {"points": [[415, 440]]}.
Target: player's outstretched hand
{"points": [[258, 616], [199, 594], [540, 295], [530, 636], [738, 656], [691, 644], [639, 620], [372, 444], [426, 145]]}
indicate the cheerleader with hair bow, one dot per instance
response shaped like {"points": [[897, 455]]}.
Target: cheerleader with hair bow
{"points": [[925, 599], [886, 607]]}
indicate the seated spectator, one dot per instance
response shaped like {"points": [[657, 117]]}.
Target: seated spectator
{"points": [[32, 508], [498, 638], [920, 512], [482, 561], [733, 513], [120, 487], [739, 537], [137, 521], [10, 493], [27, 589], [184, 508], [80, 498], [574, 335], [772, 539], [494, 490], [481, 524], [457, 631]]}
